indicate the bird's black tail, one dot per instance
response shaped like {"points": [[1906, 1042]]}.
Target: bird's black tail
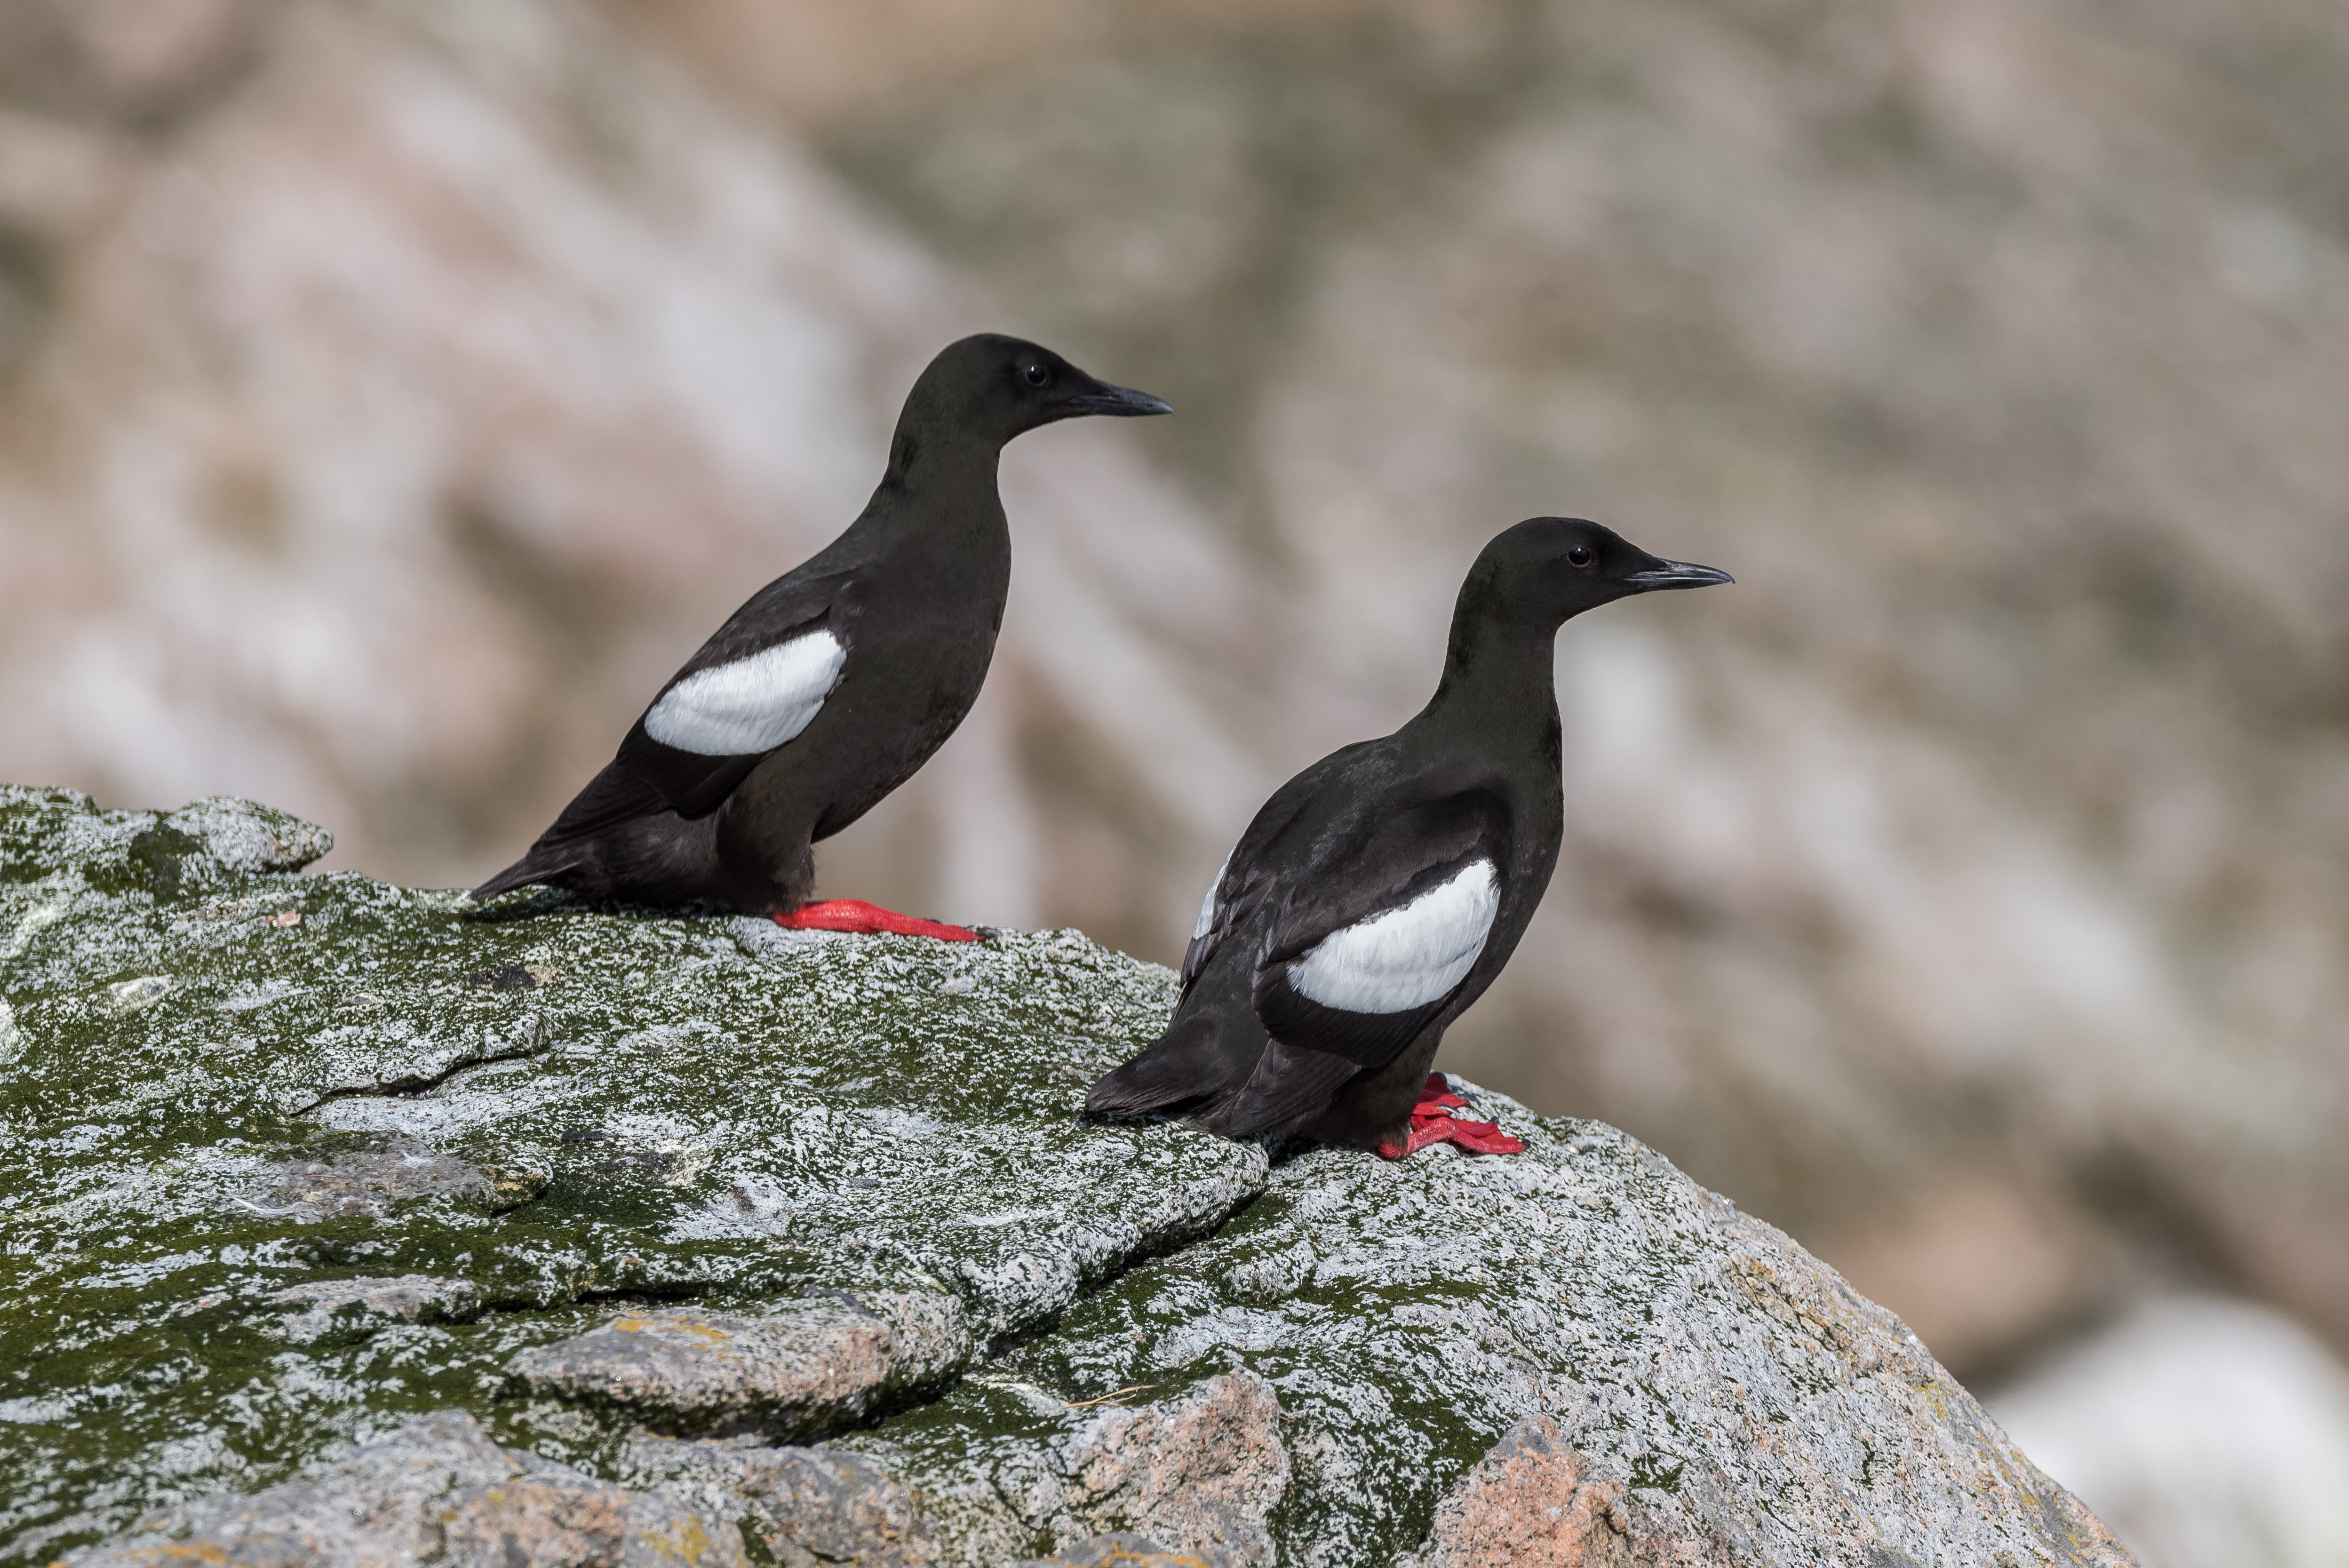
{"points": [[1290, 1083], [1196, 1061], [540, 865]]}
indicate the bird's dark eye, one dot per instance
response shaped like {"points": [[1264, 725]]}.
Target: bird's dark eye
{"points": [[1038, 376], [1579, 555]]}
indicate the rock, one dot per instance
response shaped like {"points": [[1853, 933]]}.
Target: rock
{"points": [[350, 1305], [169, 853], [1529, 1502], [1203, 1472], [1122, 1549], [706, 1177], [698, 1107], [367, 1182], [137, 64], [802, 1366], [437, 1490], [665, 1532], [1743, 1404], [807, 1506], [1199, 1469]]}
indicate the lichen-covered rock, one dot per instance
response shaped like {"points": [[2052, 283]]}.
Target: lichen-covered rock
{"points": [[1200, 1469], [672, 1108], [1532, 1502], [1124, 1549], [1729, 1392], [366, 1182], [512, 1208], [175, 852], [436, 1491], [804, 1365], [1204, 1472], [356, 1306], [806, 1506]]}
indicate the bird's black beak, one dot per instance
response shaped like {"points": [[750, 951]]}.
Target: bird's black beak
{"points": [[1123, 401], [1672, 574]]}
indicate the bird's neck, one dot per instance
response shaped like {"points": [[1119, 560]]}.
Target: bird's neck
{"points": [[938, 503], [921, 461], [1499, 688]]}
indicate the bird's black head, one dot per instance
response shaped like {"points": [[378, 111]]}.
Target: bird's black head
{"points": [[1546, 569], [990, 388]]}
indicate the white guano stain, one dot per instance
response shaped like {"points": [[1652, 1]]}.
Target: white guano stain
{"points": [[34, 921], [1406, 957], [753, 704], [145, 991]]}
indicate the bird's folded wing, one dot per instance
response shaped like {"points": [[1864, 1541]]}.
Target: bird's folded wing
{"points": [[1369, 950], [1249, 873], [752, 687], [750, 705]]}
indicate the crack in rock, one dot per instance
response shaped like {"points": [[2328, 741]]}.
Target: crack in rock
{"points": [[527, 1047]]}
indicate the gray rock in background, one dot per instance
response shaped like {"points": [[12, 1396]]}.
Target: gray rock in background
{"points": [[837, 1188], [2241, 1399]]}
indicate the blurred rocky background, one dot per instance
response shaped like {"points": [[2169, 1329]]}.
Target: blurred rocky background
{"points": [[391, 394]]}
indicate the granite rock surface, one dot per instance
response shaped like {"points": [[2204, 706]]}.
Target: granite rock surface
{"points": [[353, 1223]]}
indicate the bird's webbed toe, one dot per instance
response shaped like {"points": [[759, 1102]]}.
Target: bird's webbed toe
{"points": [[1433, 1121], [859, 918]]}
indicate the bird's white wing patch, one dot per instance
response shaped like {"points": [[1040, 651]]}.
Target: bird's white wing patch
{"points": [[1206, 921], [1406, 957], [753, 704]]}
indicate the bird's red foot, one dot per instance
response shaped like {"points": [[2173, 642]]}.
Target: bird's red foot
{"points": [[853, 914], [1431, 1121]]}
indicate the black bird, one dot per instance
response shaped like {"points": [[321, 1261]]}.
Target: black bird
{"points": [[835, 681], [1378, 893]]}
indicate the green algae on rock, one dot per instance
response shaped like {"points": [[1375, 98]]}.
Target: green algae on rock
{"points": [[702, 1107], [311, 1184]]}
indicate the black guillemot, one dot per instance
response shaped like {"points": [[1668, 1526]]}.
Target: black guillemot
{"points": [[836, 681], [1378, 893]]}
